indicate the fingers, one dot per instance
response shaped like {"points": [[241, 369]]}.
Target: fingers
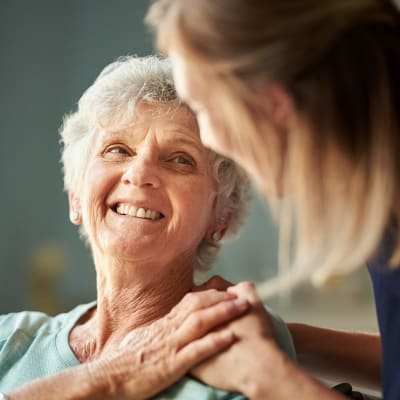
{"points": [[171, 346], [201, 349], [202, 321], [194, 316], [199, 300], [196, 352], [246, 290]]}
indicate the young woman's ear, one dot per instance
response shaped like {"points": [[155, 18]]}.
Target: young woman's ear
{"points": [[277, 105], [75, 215]]}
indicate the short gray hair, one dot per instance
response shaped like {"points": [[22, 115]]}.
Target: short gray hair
{"points": [[110, 102]]}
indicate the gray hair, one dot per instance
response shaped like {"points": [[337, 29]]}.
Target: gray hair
{"points": [[110, 103]]}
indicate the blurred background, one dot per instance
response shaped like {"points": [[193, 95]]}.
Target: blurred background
{"points": [[51, 51]]}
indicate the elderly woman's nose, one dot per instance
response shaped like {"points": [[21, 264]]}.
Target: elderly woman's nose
{"points": [[142, 171]]}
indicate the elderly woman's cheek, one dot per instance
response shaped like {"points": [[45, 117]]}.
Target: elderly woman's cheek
{"points": [[93, 215], [194, 209], [98, 182]]}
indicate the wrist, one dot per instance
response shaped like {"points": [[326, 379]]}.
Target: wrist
{"points": [[101, 378], [270, 368], [283, 335], [281, 379]]}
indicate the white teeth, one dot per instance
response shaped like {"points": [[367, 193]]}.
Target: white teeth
{"points": [[120, 209], [141, 213], [131, 211], [126, 209]]}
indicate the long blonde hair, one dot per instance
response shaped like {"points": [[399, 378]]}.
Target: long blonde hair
{"points": [[339, 62]]}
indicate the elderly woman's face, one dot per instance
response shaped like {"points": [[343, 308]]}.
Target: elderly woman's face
{"points": [[148, 192]]}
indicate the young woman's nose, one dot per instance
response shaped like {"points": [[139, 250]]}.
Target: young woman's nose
{"points": [[142, 171]]}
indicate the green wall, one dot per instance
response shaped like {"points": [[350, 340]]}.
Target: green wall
{"points": [[51, 51]]}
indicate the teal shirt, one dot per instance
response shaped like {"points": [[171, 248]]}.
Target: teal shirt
{"points": [[34, 345]]}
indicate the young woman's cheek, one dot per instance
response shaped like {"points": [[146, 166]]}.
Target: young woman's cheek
{"points": [[211, 135]]}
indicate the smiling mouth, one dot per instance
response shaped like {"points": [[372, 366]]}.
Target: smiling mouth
{"points": [[137, 212]]}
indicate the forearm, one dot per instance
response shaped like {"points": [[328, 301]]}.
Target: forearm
{"points": [[254, 365], [280, 379], [79, 383], [338, 356]]}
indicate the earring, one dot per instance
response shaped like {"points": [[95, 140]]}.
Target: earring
{"points": [[216, 236], [74, 216]]}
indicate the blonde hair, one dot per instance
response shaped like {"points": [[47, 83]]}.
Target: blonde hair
{"points": [[110, 103], [339, 62]]}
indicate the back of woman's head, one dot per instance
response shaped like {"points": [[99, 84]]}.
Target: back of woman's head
{"points": [[339, 63]]}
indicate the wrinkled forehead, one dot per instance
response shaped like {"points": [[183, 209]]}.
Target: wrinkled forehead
{"points": [[126, 114], [163, 114], [167, 122]]}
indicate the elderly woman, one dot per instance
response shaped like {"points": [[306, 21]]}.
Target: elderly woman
{"points": [[153, 204]]}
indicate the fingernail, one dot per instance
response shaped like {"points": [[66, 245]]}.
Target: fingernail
{"points": [[241, 304], [227, 335]]}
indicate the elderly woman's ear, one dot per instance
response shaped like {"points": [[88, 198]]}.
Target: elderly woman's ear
{"points": [[75, 215], [216, 232]]}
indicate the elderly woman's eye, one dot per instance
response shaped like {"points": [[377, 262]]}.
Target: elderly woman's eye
{"points": [[183, 160], [116, 150]]}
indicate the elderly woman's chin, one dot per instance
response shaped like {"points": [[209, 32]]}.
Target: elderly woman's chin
{"points": [[114, 232], [150, 259], [124, 231], [129, 245]]}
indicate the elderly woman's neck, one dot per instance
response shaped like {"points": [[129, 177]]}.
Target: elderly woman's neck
{"points": [[141, 293], [141, 302], [127, 302]]}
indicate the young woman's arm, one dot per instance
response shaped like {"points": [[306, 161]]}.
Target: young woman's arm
{"points": [[338, 356], [256, 367], [279, 378]]}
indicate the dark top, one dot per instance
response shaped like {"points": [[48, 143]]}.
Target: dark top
{"points": [[386, 285]]}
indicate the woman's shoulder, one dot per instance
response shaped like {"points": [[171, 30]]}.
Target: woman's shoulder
{"points": [[25, 321], [190, 389], [380, 261], [31, 322]]}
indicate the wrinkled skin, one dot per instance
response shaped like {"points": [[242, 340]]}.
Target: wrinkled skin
{"points": [[154, 357]]}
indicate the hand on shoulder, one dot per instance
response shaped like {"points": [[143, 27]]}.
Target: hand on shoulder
{"points": [[252, 353]]}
